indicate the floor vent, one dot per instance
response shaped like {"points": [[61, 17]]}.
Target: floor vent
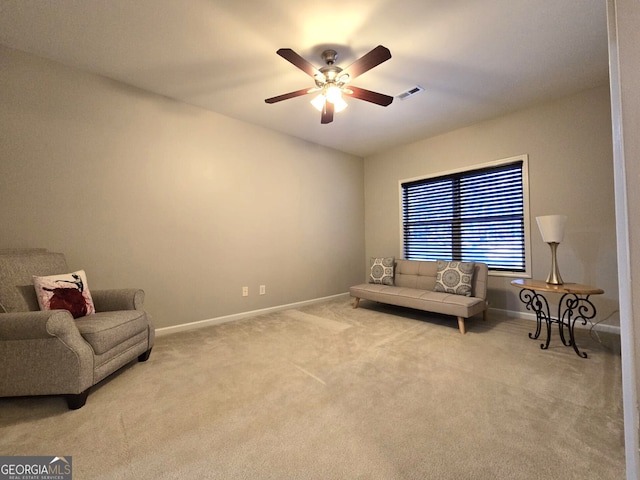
{"points": [[409, 93]]}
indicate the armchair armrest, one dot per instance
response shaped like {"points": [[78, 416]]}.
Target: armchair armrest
{"points": [[41, 325], [118, 299], [43, 353]]}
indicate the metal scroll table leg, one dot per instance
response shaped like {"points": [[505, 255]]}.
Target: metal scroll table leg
{"points": [[573, 308], [538, 304]]}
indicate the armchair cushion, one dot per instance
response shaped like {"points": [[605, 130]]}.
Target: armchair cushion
{"points": [[105, 330]]}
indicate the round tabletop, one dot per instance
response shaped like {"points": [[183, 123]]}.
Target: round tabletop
{"points": [[541, 285]]}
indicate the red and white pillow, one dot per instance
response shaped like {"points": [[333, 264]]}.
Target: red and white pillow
{"points": [[68, 291]]}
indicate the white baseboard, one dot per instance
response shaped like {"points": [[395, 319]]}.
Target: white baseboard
{"points": [[239, 316], [532, 317], [253, 313]]}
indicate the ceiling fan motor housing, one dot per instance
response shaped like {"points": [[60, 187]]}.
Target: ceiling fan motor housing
{"points": [[329, 57], [330, 72]]}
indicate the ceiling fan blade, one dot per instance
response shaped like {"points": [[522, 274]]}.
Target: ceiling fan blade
{"points": [[286, 96], [327, 113], [368, 96], [365, 63], [298, 61]]}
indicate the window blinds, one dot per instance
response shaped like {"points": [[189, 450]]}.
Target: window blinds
{"points": [[476, 215]]}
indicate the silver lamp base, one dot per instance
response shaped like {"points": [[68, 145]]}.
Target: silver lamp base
{"points": [[554, 277]]}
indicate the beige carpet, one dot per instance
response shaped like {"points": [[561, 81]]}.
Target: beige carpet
{"points": [[328, 392]]}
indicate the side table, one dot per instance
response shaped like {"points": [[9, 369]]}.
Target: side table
{"points": [[574, 306]]}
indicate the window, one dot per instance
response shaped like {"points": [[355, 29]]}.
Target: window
{"points": [[472, 215]]}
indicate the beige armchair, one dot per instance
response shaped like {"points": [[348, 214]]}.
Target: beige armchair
{"points": [[50, 352]]}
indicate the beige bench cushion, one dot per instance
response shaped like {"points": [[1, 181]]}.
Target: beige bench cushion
{"points": [[437, 302]]}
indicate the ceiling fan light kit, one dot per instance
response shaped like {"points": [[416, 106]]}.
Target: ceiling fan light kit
{"points": [[331, 81], [336, 98]]}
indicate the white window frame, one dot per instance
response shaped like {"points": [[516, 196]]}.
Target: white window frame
{"points": [[525, 193]]}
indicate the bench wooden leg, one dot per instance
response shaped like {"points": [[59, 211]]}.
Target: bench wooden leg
{"points": [[484, 314], [356, 301], [461, 325]]}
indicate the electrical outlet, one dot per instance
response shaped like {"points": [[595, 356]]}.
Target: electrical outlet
{"points": [[263, 289], [245, 291]]}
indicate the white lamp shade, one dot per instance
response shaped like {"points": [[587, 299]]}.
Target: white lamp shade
{"points": [[339, 104], [318, 102], [552, 227], [333, 93]]}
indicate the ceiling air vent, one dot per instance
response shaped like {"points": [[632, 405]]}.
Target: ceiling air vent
{"points": [[411, 92]]}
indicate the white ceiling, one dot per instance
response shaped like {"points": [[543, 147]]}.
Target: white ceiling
{"points": [[475, 59]]}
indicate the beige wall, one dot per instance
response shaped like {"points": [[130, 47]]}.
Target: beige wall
{"points": [[191, 206], [570, 171], [143, 191]]}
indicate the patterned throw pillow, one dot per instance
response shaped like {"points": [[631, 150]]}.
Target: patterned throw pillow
{"points": [[382, 270], [455, 277], [65, 291]]}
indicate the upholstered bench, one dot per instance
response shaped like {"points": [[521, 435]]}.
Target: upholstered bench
{"points": [[412, 284]]}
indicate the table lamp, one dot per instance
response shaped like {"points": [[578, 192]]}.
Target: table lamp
{"points": [[552, 231]]}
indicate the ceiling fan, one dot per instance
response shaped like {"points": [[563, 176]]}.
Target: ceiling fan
{"points": [[332, 81]]}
